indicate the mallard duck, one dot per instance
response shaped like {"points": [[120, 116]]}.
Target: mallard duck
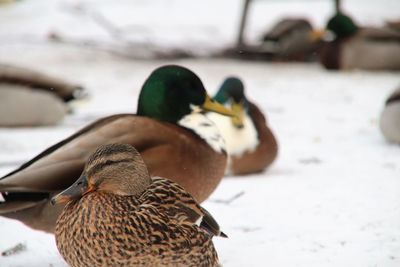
{"points": [[291, 39], [118, 215], [393, 24], [30, 98], [354, 47], [390, 118], [250, 144], [174, 137]]}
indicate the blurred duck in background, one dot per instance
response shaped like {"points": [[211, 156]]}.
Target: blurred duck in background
{"points": [[250, 144], [355, 47], [390, 118], [30, 98], [394, 24], [292, 39]]}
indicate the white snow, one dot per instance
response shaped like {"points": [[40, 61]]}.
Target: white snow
{"points": [[332, 198]]}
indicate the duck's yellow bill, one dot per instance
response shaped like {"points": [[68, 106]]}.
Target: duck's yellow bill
{"points": [[317, 35], [238, 109], [212, 105], [75, 191]]}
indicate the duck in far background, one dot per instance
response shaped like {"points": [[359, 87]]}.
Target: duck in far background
{"points": [[251, 146], [30, 98], [355, 47], [292, 39], [390, 118], [393, 24]]}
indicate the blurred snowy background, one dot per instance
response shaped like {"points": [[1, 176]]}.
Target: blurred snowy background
{"points": [[332, 198]]}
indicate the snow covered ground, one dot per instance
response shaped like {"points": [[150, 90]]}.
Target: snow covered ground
{"points": [[332, 198]]}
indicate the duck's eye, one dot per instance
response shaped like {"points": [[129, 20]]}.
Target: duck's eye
{"points": [[79, 183]]}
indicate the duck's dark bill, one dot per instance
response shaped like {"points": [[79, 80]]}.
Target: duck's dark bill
{"points": [[75, 191], [60, 199]]}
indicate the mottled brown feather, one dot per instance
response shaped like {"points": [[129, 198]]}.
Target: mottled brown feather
{"points": [[103, 229]]}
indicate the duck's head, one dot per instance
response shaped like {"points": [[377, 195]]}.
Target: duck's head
{"points": [[342, 25], [339, 26], [171, 92], [117, 168], [231, 93]]}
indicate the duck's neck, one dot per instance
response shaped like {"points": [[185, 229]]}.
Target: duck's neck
{"points": [[205, 129], [238, 140]]}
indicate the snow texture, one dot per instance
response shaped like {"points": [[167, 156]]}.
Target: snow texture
{"points": [[332, 198]]}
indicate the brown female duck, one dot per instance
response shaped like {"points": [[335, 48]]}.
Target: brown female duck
{"points": [[250, 144], [170, 131], [117, 215]]}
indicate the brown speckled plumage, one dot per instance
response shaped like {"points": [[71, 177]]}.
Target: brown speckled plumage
{"points": [[156, 227]]}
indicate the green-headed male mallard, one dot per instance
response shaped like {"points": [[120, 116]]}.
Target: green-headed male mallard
{"points": [[250, 144], [354, 47], [390, 118], [30, 98], [118, 215], [174, 137]]}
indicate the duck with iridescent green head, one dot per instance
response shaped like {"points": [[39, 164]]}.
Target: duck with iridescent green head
{"points": [[170, 131], [250, 144], [355, 47]]}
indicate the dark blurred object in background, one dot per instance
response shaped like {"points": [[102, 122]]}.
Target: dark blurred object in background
{"points": [[355, 47], [292, 39], [394, 24], [390, 118], [31, 98]]}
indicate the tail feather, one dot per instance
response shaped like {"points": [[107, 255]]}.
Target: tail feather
{"points": [[15, 201], [222, 234], [13, 207], [24, 196]]}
